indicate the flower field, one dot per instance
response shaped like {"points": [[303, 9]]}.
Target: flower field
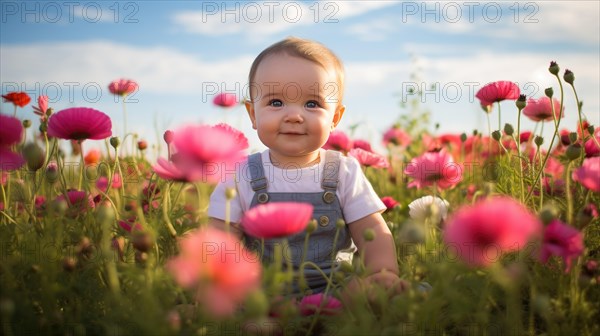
{"points": [[497, 232]]}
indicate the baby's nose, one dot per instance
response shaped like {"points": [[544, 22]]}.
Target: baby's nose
{"points": [[294, 113]]}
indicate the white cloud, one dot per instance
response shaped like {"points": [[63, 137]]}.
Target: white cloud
{"points": [[270, 17], [156, 69]]}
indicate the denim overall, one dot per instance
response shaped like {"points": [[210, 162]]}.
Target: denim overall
{"points": [[327, 211]]}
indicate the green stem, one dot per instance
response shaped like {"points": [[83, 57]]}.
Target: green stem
{"points": [[499, 117], [578, 113], [518, 144], [569, 195], [557, 124], [165, 211], [81, 164]]}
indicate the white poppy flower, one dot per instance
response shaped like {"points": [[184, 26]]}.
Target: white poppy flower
{"points": [[420, 208]]}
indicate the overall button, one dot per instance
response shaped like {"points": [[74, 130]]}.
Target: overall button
{"points": [[263, 198], [323, 220], [328, 197]]}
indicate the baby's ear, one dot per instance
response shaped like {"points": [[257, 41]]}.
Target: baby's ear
{"points": [[250, 108], [337, 116]]}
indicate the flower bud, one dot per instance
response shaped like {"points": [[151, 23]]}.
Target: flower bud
{"points": [[115, 142], [85, 248], [554, 69], [168, 136], [463, 137], [573, 151], [52, 171], [346, 267], [26, 123], [508, 129], [69, 264], [340, 223], [49, 112], [142, 241], [521, 102], [369, 234], [572, 137], [43, 127], [538, 140], [590, 129], [311, 226], [496, 135], [141, 257], [549, 92], [34, 156], [230, 193], [548, 213], [142, 144], [569, 77], [475, 132]]}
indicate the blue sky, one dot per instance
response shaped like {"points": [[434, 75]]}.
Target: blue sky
{"points": [[182, 52]]}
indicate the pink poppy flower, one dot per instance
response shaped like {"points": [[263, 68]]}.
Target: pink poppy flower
{"points": [[434, 167], [217, 267], [561, 240], [589, 174], [592, 146], [79, 202], [396, 136], [122, 87], [369, 159], [102, 183], [17, 98], [338, 141], [564, 137], [79, 123], [130, 225], [498, 91], [41, 108], [203, 153], [11, 133], [225, 99], [554, 167], [481, 233], [541, 110], [389, 202], [324, 304], [275, 220], [362, 144]]}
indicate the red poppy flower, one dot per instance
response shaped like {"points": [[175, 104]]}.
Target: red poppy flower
{"points": [[362, 144], [498, 91], [17, 98], [122, 87], [389, 202], [225, 99], [275, 220], [79, 123]]}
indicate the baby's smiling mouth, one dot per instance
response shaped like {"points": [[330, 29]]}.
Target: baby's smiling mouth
{"points": [[292, 133]]}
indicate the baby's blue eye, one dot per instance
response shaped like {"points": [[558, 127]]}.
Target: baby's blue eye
{"points": [[312, 104], [276, 103]]}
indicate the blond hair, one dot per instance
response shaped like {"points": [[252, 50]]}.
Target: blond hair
{"points": [[306, 49]]}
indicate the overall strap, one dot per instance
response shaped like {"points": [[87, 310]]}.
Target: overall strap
{"points": [[331, 170], [257, 172]]}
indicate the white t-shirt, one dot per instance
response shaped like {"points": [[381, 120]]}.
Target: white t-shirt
{"points": [[356, 195]]}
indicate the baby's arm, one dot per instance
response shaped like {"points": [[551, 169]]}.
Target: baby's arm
{"points": [[379, 257], [380, 253]]}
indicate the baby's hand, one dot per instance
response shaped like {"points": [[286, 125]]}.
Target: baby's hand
{"points": [[388, 281]]}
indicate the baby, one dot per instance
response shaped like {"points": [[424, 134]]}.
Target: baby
{"points": [[296, 89]]}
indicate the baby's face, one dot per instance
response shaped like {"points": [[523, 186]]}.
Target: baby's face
{"points": [[294, 105]]}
